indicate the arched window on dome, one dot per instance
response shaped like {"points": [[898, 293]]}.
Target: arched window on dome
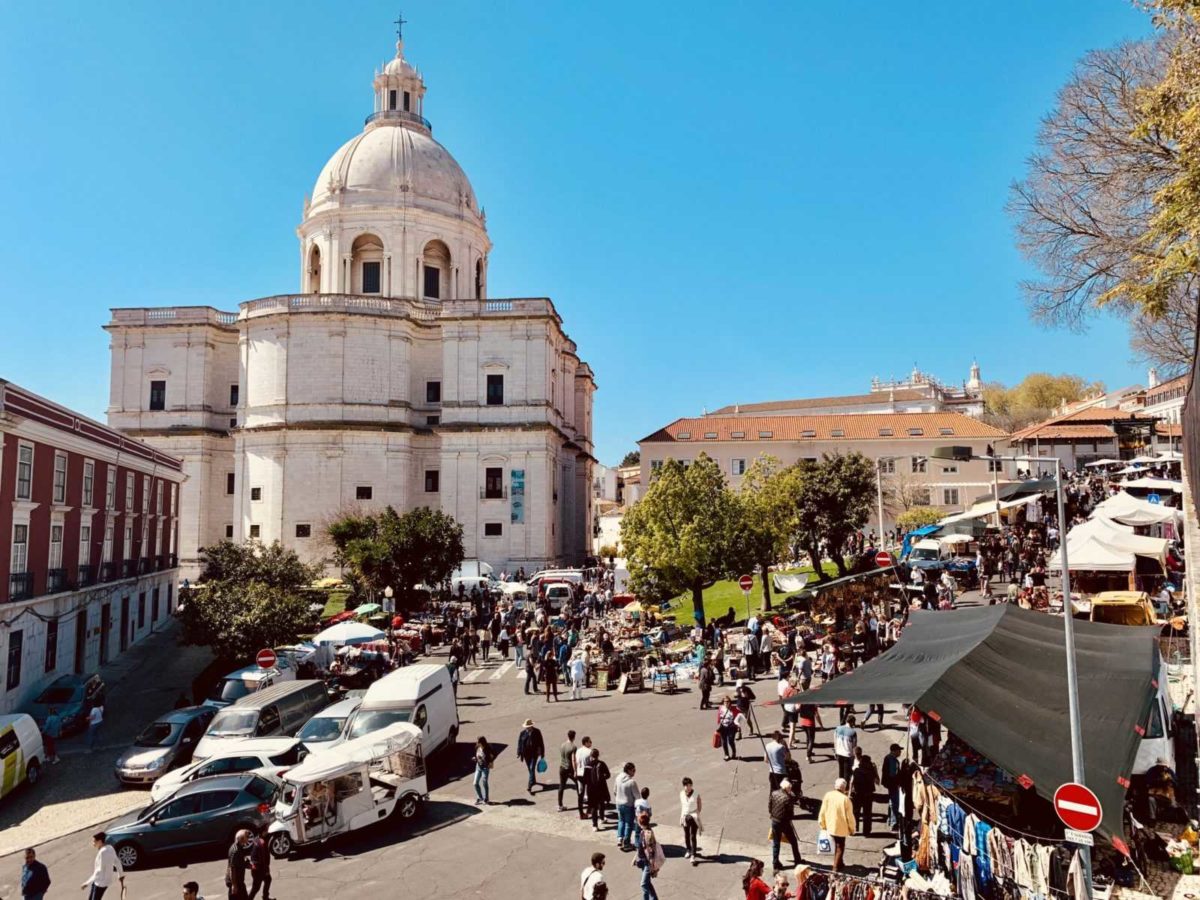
{"points": [[435, 261], [479, 279], [314, 270], [366, 265]]}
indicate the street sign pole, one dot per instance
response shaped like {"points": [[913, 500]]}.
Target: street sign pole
{"points": [[746, 582]]}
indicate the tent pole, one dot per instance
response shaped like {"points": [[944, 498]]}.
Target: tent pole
{"points": [[1085, 853]]}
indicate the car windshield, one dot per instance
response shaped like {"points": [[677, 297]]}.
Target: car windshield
{"points": [[372, 720], [62, 693], [159, 734], [234, 721], [924, 553], [232, 689], [321, 728]]}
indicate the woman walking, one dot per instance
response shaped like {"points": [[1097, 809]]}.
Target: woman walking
{"points": [[690, 806], [752, 883], [484, 760], [650, 856], [727, 728], [595, 779]]}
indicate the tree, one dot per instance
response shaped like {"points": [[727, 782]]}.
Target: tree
{"points": [[765, 514], [237, 619], [679, 536], [422, 546], [902, 490], [632, 458], [607, 551], [918, 517], [1035, 398], [845, 487], [272, 564]]}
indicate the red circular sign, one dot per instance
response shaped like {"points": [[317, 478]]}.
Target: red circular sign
{"points": [[266, 658], [883, 559], [1078, 807], [745, 582]]}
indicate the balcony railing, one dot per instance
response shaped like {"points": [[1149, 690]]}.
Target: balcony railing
{"points": [[130, 568], [493, 493], [144, 565], [56, 580], [20, 586], [110, 571], [87, 576], [398, 115], [172, 560]]}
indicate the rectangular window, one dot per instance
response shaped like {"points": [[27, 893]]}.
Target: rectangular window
{"points": [[887, 467], [766, 435], [407, 101], [233, 395], [85, 545], [127, 546], [493, 484], [995, 465], [495, 390], [737, 466], [20, 549], [56, 541], [370, 277], [174, 499], [255, 531], [433, 420], [141, 619], [684, 436], [145, 494], [655, 465], [16, 646], [145, 545], [229, 482], [89, 482], [945, 431], [838, 432], [920, 496], [362, 492], [949, 496], [433, 392], [158, 507], [710, 435], [255, 494], [392, 99], [229, 532], [737, 435], [303, 530], [950, 470], [916, 432], [919, 464], [60, 478], [885, 432], [431, 481], [24, 471], [51, 645], [129, 477], [158, 395], [433, 282], [154, 606], [492, 529], [107, 550], [110, 488]]}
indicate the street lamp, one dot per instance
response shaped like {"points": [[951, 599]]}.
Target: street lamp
{"points": [[388, 593], [964, 454]]}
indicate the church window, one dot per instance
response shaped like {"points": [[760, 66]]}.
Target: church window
{"points": [[229, 481], [479, 279], [255, 531], [233, 395], [495, 390], [158, 395], [362, 492], [255, 493], [433, 392], [493, 484], [303, 530], [433, 420], [407, 101], [492, 529], [392, 100], [229, 532], [433, 282], [432, 478], [370, 277], [436, 261]]}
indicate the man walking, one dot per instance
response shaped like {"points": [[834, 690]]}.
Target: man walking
{"points": [[625, 794], [705, 681], [863, 782], [550, 674], [837, 818], [94, 720], [531, 678], [260, 865], [890, 779], [845, 739], [103, 869], [235, 868], [592, 876], [566, 767], [781, 808], [35, 877], [581, 758], [51, 732], [777, 757], [530, 748]]}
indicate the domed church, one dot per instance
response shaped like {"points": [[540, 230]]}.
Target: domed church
{"points": [[392, 378]]}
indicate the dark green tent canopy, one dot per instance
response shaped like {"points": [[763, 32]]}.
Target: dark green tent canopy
{"points": [[996, 676]]}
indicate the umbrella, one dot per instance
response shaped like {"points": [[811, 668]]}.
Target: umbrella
{"points": [[956, 539], [348, 633], [366, 609]]}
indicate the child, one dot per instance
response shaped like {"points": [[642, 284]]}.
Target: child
{"points": [[643, 805]]}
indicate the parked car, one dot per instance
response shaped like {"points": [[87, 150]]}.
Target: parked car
{"points": [[21, 752], [203, 813], [244, 682], [278, 710], [166, 743], [73, 696], [328, 727], [268, 756]]}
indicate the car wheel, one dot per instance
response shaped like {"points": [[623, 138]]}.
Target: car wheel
{"points": [[280, 844], [130, 855], [408, 807], [453, 739], [33, 772]]}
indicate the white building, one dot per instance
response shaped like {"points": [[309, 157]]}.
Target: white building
{"points": [[392, 379]]}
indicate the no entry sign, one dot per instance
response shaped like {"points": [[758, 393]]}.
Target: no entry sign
{"points": [[266, 658], [745, 583], [883, 559], [1077, 807]]}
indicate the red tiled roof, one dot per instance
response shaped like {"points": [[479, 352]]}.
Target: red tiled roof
{"points": [[849, 426], [1166, 387], [1071, 432], [1091, 416], [1169, 429], [818, 402]]}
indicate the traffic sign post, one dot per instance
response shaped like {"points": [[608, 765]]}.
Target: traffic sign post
{"points": [[745, 583], [266, 658], [1077, 807], [884, 560]]}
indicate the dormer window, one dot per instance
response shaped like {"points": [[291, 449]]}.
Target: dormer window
{"points": [[885, 432], [766, 435], [837, 432], [737, 434], [916, 432], [685, 435], [808, 433], [710, 435], [946, 431]]}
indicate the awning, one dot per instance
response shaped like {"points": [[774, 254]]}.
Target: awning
{"points": [[996, 676], [988, 508], [1155, 484], [1104, 462], [1115, 535], [1130, 510]]}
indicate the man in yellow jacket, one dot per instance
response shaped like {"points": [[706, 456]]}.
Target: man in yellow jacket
{"points": [[837, 818]]}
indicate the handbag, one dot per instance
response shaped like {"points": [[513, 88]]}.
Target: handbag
{"points": [[716, 739], [824, 842], [541, 765]]}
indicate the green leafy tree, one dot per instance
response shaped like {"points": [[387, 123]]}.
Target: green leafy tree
{"points": [[1035, 398], [765, 513], [845, 486], [918, 517], [607, 551], [632, 458], [679, 537], [237, 619], [387, 549], [270, 564]]}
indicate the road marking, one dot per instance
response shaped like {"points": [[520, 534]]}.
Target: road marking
{"points": [[473, 675], [499, 673]]}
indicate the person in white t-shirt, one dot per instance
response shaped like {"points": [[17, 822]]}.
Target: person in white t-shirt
{"points": [[581, 758], [106, 866], [591, 876], [94, 720]]}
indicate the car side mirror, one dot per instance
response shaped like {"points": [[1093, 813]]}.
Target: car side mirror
{"points": [[187, 740], [153, 820]]}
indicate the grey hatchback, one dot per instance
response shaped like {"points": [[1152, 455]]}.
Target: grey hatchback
{"points": [[203, 813]]}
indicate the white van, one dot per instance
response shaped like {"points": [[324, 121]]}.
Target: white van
{"points": [[21, 753], [421, 694], [277, 710], [1158, 741], [244, 682], [558, 595]]}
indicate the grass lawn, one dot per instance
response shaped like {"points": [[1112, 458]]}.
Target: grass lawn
{"points": [[335, 604], [724, 594]]}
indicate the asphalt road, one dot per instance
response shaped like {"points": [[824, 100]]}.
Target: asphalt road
{"points": [[522, 846]]}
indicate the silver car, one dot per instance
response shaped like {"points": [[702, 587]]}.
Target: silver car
{"points": [[166, 743]]}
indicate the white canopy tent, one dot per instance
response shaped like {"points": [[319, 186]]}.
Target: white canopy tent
{"points": [[1103, 462], [987, 508], [1091, 554], [1130, 510], [1155, 484], [1120, 537]]}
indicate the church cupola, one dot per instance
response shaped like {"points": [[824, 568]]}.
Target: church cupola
{"points": [[399, 91]]}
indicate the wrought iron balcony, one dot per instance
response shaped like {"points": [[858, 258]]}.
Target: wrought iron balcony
{"points": [[87, 576], [56, 580], [493, 493], [398, 115], [110, 571], [20, 586], [130, 568], [172, 560]]}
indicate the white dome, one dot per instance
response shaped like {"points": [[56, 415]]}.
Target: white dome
{"points": [[394, 166]]}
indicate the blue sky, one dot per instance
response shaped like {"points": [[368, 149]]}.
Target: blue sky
{"points": [[727, 203]]}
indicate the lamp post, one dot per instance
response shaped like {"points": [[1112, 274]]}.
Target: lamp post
{"points": [[964, 454], [388, 593]]}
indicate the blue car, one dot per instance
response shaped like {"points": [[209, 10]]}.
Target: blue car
{"points": [[73, 696]]}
